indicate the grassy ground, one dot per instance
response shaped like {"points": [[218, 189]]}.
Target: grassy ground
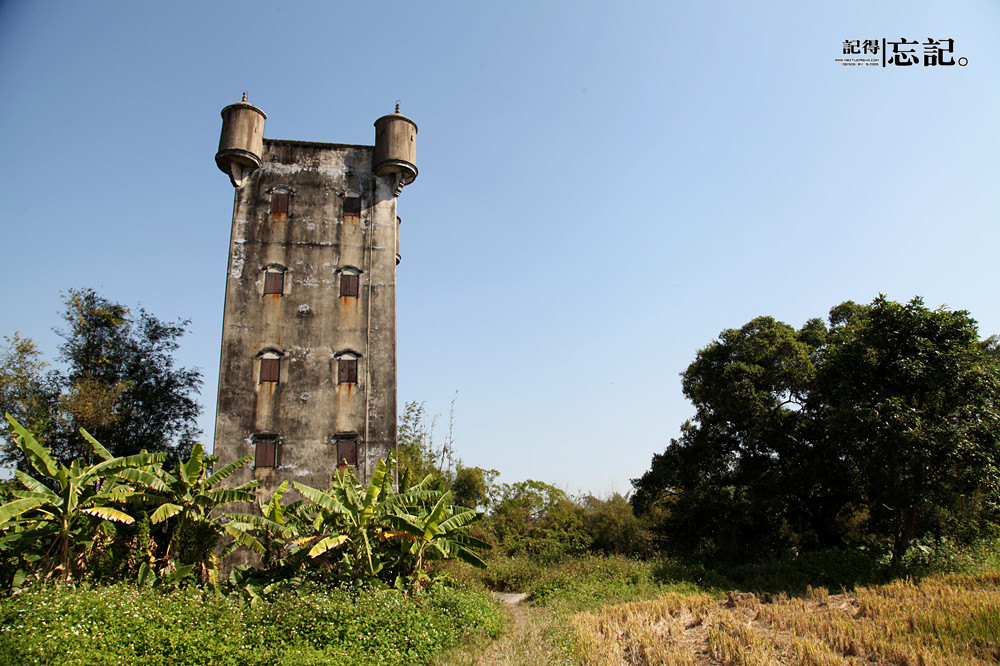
{"points": [[534, 636], [590, 610], [120, 624], [596, 610], [539, 630]]}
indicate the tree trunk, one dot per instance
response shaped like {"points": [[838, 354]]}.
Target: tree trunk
{"points": [[904, 533]]}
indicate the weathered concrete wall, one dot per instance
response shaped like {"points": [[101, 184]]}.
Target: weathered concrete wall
{"points": [[309, 325]]}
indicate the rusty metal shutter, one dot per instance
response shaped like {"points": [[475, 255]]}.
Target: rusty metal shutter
{"points": [[348, 284], [274, 283], [347, 372], [352, 206], [279, 203], [269, 369]]}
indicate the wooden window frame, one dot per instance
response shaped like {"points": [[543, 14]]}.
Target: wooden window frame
{"points": [[280, 200], [266, 450], [344, 446], [352, 206]]}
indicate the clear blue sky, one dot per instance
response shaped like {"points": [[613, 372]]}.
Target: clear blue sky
{"points": [[603, 187]]}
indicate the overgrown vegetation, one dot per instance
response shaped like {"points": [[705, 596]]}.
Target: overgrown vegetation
{"points": [[120, 624], [344, 577], [611, 609], [829, 458], [59, 523], [526, 520]]}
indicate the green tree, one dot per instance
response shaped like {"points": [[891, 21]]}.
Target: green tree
{"points": [[29, 391], [121, 381], [913, 395], [746, 464], [537, 519], [117, 379], [474, 487], [613, 526], [887, 419]]}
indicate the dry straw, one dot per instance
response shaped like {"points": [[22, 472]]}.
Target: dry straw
{"points": [[952, 620]]}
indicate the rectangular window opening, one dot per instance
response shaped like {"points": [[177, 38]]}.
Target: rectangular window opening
{"points": [[347, 371], [279, 203], [348, 284], [347, 453], [265, 452], [274, 283], [352, 206], [269, 369]]}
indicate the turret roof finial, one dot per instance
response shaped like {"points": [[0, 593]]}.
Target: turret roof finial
{"points": [[397, 106], [244, 95]]}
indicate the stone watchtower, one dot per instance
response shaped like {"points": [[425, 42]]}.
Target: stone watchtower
{"points": [[307, 381]]}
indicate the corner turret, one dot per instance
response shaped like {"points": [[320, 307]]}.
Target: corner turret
{"points": [[396, 148], [242, 141]]}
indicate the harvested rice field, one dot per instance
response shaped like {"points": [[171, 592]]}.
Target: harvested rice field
{"points": [[949, 620]]}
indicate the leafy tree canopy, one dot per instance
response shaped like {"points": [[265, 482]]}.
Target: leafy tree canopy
{"points": [[118, 379], [876, 428]]}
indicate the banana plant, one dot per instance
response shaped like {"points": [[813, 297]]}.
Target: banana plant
{"points": [[389, 532], [276, 525], [438, 533], [255, 588], [193, 494], [345, 517], [55, 516]]}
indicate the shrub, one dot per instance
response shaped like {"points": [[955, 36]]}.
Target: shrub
{"points": [[674, 571], [386, 627], [943, 555], [122, 625], [591, 579], [511, 574], [613, 527], [832, 568]]}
